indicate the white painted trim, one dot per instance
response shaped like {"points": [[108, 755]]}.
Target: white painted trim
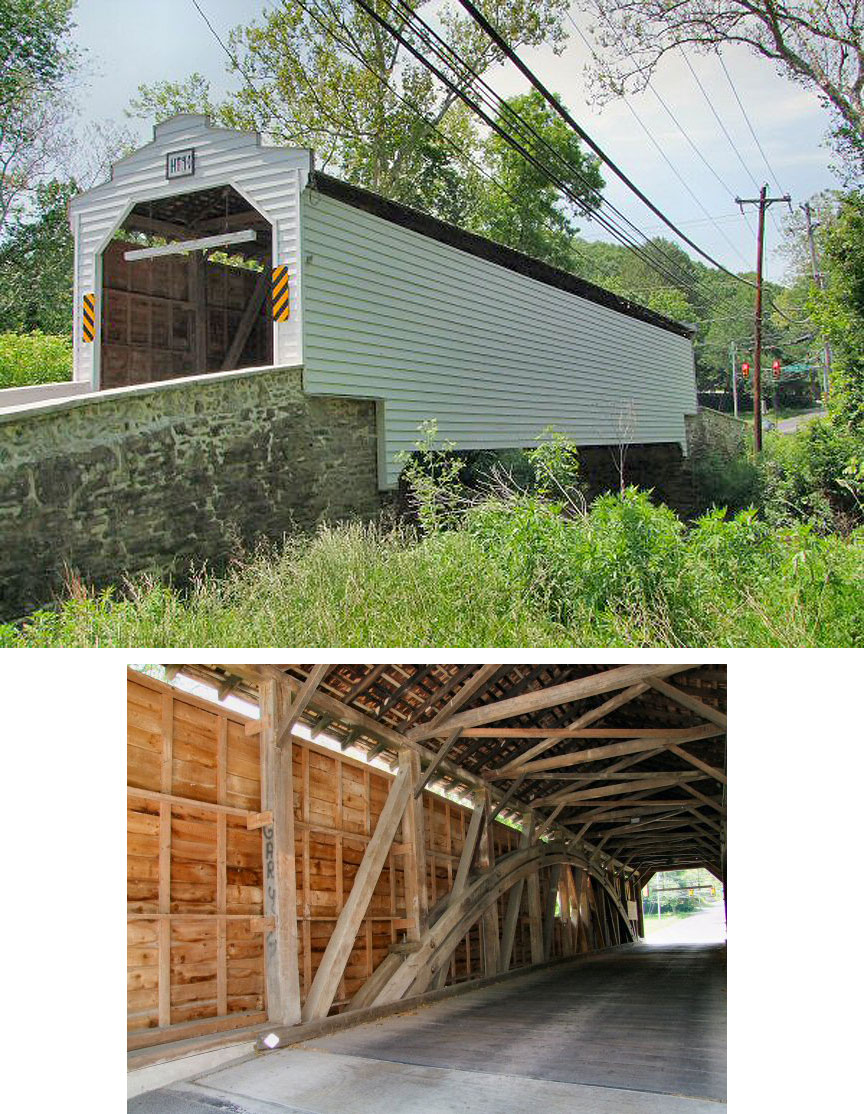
{"points": [[41, 392]]}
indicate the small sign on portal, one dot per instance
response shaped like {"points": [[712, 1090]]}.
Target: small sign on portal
{"points": [[180, 164]]}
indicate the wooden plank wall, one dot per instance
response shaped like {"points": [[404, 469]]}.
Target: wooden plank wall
{"points": [[196, 959], [148, 318]]}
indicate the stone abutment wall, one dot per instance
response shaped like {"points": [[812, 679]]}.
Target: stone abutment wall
{"points": [[172, 476]]}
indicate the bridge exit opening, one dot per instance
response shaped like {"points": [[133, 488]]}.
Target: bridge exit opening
{"points": [[684, 906]]}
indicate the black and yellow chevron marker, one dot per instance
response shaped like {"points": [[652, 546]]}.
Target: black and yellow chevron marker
{"points": [[88, 318], [281, 294]]}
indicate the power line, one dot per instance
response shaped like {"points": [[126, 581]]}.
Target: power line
{"points": [[488, 97], [496, 126], [504, 46], [660, 150], [749, 125], [731, 141]]}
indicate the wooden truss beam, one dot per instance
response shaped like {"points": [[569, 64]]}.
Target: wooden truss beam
{"points": [[445, 749], [481, 677], [332, 966], [301, 702], [591, 716], [181, 246], [690, 702], [711, 771], [614, 750], [514, 904], [548, 697], [654, 781], [247, 321]]}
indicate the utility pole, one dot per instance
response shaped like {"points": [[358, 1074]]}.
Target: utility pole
{"points": [[819, 279], [764, 202], [733, 356]]}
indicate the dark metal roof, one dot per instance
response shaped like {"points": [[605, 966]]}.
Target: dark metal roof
{"points": [[492, 252]]}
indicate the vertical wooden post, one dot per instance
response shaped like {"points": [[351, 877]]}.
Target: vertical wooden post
{"points": [[221, 868], [535, 912], [549, 912], [489, 921], [165, 862], [461, 879], [414, 839], [280, 884], [514, 901], [198, 291]]}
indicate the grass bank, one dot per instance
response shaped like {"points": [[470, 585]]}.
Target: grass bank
{"points": [[512, 572]]}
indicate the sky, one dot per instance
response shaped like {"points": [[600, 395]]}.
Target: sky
{"points": [[167, 39]]}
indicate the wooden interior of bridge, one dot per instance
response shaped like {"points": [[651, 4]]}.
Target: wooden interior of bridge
{"points": [[461, 822]]}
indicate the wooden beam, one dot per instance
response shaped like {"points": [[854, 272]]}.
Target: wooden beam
{"points": [[591, 716], [414, 862], [460, 880], [280, 882], [198, 296], [632, 746], [247, 321], [164, 877], [514, 904], [711, 771], [535, 909], [489, 920], [689, 702], [301, 702], [332, 966], [606, 681], [549, 821], [706, 800], [549, 911], [181, 246], [445, 749], [505, 800], [259, 820], [556, 734], [658, 781], [472, 686], [365, 682]]}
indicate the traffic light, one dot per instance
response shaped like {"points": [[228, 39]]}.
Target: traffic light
{"points": [[745, 370], [775, 367]]}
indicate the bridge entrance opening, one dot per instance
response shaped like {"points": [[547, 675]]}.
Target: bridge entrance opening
{"points": [[186, 289]]}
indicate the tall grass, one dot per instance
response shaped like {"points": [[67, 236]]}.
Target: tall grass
{"points": [[514, 572]]}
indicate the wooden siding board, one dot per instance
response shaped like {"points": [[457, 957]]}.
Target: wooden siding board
{"points": [[437, 333]]}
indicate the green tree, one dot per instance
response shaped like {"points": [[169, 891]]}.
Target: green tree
{"points": [[530, 213], [35, 60], [36, 265], [323, 74], [839, 310]]}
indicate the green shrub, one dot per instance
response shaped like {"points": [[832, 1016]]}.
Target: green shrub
{"points": [[30, 358], [805, 477], [723, 481]]}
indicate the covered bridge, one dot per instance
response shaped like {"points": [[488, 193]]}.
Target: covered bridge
{"points": [[370, 839], [207, 251]]}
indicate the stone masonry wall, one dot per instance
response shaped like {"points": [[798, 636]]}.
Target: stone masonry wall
{"points": [[172, 476]]}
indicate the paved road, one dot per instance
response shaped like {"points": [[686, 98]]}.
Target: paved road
{"points": [[706, 927], [793, 424], [635, 1030]]}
